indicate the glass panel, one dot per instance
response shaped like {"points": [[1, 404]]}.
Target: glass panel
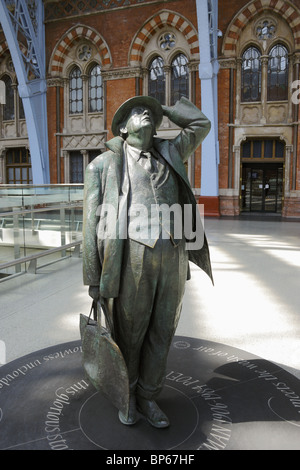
{"points": [[24, 157], [269, 148], [256, 189], [76, 167], [273, 188], [76, 91], [11, 176], [95, 90], [278, 73], [9, 156], [251, 75], [257, 147], [157, 80], [179, 78], [50, 221], [18, 166], [268, 152], [18, 175], [24, 175], [18, 155], [247, 149], [246, 189], [262, 188], [270, 189], [9, 107], [279, 189], [279, 149]]}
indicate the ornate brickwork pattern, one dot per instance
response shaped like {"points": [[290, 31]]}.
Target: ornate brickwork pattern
{"points": [[4, 48], [72, 37], [68, 8], [285, 9], [158, 22]]}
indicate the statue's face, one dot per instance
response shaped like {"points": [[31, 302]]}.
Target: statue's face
{"points": [[138, 118]]}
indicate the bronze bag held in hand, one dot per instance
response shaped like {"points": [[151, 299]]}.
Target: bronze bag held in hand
{"points": [[103, 361]]}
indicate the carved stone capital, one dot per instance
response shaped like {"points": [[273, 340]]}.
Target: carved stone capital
{"points": [[55, 81], [228, 63], [296, 58], [193, 66], [264, 59]]}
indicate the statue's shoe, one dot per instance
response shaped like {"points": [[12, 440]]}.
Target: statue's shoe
{"points": [[150, 409], [132, 414]]}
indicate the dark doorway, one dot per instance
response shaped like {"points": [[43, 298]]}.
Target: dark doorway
{"points": [[262, 187]]}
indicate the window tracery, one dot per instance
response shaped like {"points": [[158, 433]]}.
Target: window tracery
{"points": [[265, 29]]}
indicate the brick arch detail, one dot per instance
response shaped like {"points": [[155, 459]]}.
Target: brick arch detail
{"points": [[4, 48], [69, 39], [154, 24], [285, 9]]}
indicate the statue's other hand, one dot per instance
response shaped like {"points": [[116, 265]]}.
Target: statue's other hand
{"points": [[94, 292]]}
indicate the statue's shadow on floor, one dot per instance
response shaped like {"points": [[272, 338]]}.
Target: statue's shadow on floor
{"points": [[215, 396]]}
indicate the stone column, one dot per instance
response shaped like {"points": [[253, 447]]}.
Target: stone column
{"points": [[2, 166], [264, 88], [66, 157]]}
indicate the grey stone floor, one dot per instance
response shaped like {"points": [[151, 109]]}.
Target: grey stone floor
{"points": [[254, 304]]}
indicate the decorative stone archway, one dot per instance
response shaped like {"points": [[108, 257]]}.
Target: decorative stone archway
{"points": [[69, 39], [159, 21], [285, 9]]}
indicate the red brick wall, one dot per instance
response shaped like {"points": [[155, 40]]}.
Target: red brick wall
{"points": [[117, 28], [223, 117], [117, 92], [51, 108]]}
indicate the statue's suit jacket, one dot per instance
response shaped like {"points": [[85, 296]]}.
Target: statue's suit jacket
{"points": [[104, 184]]}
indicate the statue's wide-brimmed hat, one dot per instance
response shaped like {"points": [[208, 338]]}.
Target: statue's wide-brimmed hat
{"points": [[127, 106]]}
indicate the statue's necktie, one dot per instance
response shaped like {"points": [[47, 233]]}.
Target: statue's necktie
{"points": [[145, 158]]}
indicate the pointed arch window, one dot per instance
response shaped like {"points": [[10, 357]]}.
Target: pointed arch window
{"points": [[157, 80], [278, 67], [179, 78], [75, 91], [9, 107], [95, 90], [251, 75]]}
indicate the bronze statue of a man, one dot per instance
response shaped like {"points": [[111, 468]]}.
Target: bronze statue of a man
{"points": [[135, 260]]}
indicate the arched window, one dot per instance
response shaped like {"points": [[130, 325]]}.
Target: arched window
{"points": [[157, 80], [251, 75], [75, 91], [278, 67], [9, 107], [179, 78], [95, 90]]}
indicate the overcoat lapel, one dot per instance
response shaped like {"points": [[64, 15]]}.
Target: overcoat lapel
{"points": [[165, 148]]}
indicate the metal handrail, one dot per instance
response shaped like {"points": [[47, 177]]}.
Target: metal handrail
{"points": [[33, 258], [30, 186], [42, 209]]}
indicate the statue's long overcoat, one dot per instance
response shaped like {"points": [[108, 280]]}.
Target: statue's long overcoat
{"points": [[104, 183]]}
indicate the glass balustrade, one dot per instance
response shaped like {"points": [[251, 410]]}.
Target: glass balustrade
{"points": [[36, 218]]}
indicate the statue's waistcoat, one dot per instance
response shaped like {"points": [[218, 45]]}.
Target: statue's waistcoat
{"points": [[151, 196]]}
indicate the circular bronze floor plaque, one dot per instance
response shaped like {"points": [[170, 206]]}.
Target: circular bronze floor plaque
{"points": [[217, 398]]}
